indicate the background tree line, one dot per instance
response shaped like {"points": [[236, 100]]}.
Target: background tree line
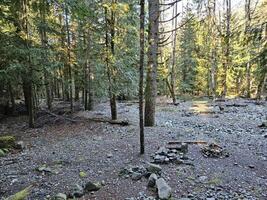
{"points": [[85, 50]]}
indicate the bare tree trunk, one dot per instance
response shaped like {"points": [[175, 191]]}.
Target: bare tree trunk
{"points": [[173, 71], [261, 86], [226, 63], [112, 96], [70, 81], [28, 82], [43, 36], [12, 98], [152, 65], [141, 78], [247, 32], [89, 77], [213, 54]]}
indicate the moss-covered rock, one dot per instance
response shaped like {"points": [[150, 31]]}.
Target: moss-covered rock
{"points": [[23, 194], [7, 142]]}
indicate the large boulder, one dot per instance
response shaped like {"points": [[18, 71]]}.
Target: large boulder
{"points": [[164, 190]]}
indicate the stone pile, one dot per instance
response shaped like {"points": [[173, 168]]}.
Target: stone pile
{"points": [[176, 154], [79, 191], [153, 173], [137, 172], [214, 151]]}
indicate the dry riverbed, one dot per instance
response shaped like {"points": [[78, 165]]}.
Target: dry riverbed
{"points": [[58, 157]]}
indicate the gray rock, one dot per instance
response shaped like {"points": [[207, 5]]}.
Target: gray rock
{"points": [[162, 151], [164, 190], [152, 168], [159, 159], [184, 147], [109, 155], [136, 176], [90, 186], [77, 192], [60, 196], [202, 179], [152, 180], [20, 145]]}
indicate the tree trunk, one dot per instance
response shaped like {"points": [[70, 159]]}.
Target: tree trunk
{"points": [[152, 65], [43, 36], [12, 98], [173, 71], [89, 94], [247, 33], [261, 86], [141, 76], [112, 96], [70, 80], [227, 47], [27, 80]]}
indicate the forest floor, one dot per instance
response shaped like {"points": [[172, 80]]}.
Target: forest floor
{"points": [[100, 150]]}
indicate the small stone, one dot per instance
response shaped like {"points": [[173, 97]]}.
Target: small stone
{"points": [[152, 180], [103, 183], [167, 160], [178, 161], [152, 168], [164, 190], [77, 192], [136, 176], [162, 151], [184, 147], [109, 155], [82, 174], [202, 179], [20, 145], [60, 196], [90, 186]]}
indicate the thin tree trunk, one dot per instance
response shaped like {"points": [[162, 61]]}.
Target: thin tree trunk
{"points": [[70, 81], [227, 47], [141, 76], [261, 86], [152, 65], [43, 36], [112, 97], [12, 98], [89, 76], [247, 32], [173, 71]]}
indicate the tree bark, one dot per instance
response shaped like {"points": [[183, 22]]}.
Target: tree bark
{"points": [[70, 81], [152, 65], [247, 32], [173, 71], [227, 47], [112, 96], [141, 76], [43, 36]]}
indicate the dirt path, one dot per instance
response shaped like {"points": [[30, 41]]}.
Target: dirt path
{"points": [[101, 150]]}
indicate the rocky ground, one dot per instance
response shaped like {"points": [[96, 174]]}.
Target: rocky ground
{"points": [[58, 157]]}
